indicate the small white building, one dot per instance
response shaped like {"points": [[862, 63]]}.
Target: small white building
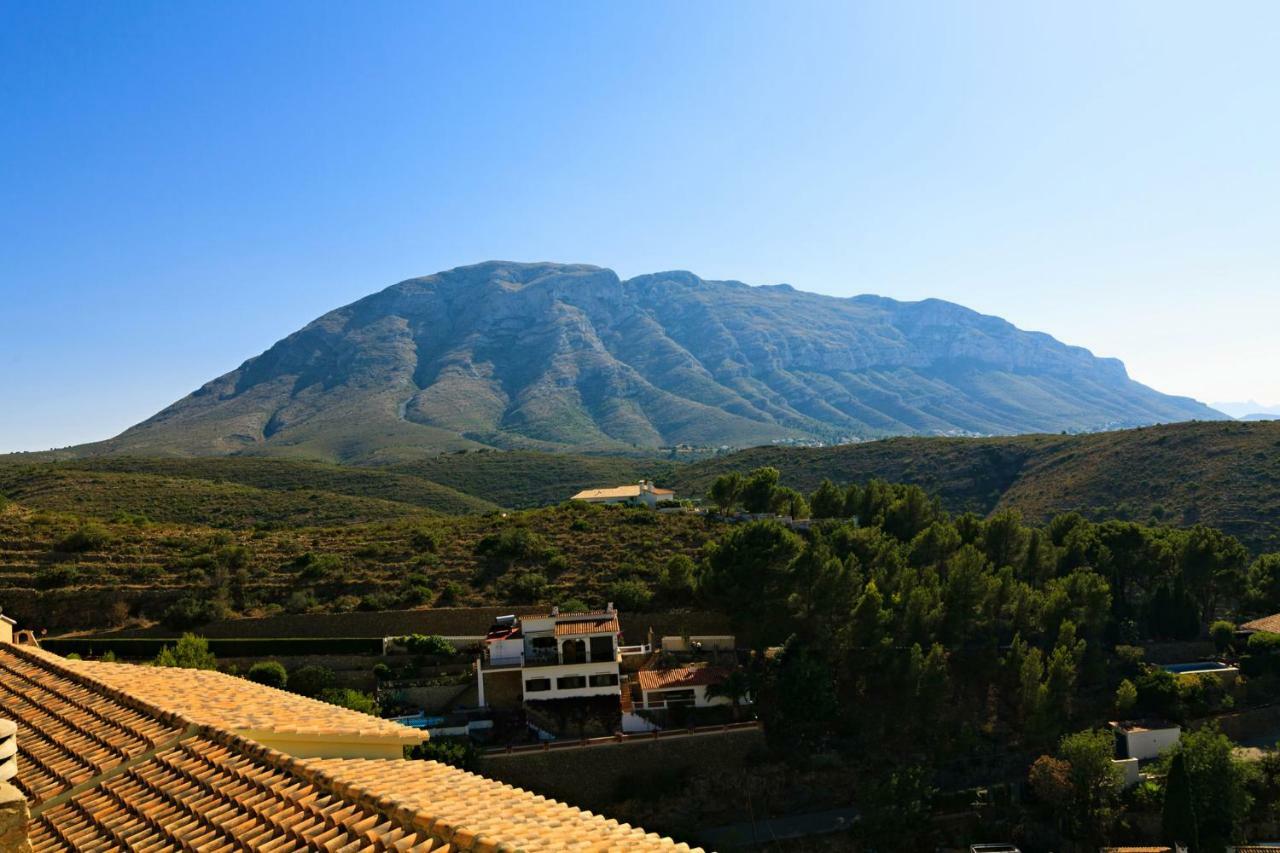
{"points": [[643, 493], [1145, 739], [682, 685], [557, 656], [6, 628]]}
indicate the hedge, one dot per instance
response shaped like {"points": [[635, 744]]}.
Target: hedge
{"points": [[144, 648]]}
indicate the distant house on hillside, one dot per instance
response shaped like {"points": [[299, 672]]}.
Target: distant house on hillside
{"points": [[641, 493]]}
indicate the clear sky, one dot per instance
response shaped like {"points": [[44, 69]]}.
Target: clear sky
{"points": [[181, 184]]}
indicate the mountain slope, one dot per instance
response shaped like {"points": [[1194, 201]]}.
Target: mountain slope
{"points": [[1226, 475], [551, 356]]}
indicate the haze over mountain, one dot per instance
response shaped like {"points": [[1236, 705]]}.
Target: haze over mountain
{"points": [[1249, 410], [557, 356]]}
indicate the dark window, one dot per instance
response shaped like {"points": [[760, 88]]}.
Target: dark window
{"points": [[602, 648], [534, 685], [542, 642], [671, 697], [573, 651], [606, 680], [570, 682]]}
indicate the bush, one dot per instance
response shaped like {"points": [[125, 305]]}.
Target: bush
{"points": [[191, 652], [269, 672], [676, 578], [431, 644], [456, 752], [188, 612], [353, 699], [529, 587], [425, 539], [88, 537], [451, 593], [513, 543], [1223, 633], [311, 680], [630, 595], [381, 671], [55, 577]]}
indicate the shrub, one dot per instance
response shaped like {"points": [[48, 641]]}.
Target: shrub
{"points": [[311, 680], [529, 587], [188, 612], [381, 671], [676, 578], [353, 699], [88, 537], [513, 543], [54, 577], [191, 652], [269, 672], [456, 752], [630, 595], [425, 539], [1126, 697], [451, 593], [1223, 633], [430, 644], [573, 605]]}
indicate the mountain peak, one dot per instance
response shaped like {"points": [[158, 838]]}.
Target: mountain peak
{"points": [[551, 355]]}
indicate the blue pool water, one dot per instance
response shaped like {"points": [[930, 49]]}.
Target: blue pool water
{"points": [[419, 721], [1199, 666]]}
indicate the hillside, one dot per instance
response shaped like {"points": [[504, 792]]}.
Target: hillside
{"points": [[1223, 474], [556, 357], [56, 571]]}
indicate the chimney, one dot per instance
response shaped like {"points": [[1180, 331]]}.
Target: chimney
{"points": [[14, 814], [609, 609], [555, 611]]}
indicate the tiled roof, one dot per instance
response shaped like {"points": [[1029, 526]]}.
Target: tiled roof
{"points": [[226, 702], [1139, 850], [1269, 624], [588, 626], [682, 676], [108, 770], [484, 810], [68, 732], [605, 494]]}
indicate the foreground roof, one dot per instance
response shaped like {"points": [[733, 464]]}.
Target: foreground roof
{"points": [[107, 770], [243, 707]]}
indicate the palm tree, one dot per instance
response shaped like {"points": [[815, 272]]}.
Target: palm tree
{"points": [[735, 687]]}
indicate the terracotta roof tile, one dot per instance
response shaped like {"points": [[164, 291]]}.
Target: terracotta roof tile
{"points": [[158, 780], [1269, 624], [483, 811], [682, 676], [588, 626], [217, 699]]}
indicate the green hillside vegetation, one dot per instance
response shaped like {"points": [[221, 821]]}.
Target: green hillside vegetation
{"points": [[1226, 475], [525, 479], [228, 492], [61, 570]]}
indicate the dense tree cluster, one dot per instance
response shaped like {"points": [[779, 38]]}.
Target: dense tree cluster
{"points": [[892, 633]]}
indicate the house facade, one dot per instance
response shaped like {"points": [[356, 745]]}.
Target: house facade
{"points": [[643, 493], [554, 656]]}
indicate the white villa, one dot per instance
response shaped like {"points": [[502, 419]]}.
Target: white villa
{"points": [[556, 656], [642, 493]]}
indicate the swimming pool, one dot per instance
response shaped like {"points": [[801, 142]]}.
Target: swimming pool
{"points": [[1197, 666], [418, 721]]}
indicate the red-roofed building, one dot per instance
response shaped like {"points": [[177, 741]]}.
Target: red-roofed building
{"points": [[552, 656]]}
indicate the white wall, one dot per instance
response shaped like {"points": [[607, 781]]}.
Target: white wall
{"points": [[584, 669], [1150, 743]]}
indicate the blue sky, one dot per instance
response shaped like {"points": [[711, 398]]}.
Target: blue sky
{"points": [[182, 184]]}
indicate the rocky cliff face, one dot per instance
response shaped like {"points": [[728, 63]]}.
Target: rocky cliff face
{"points": [[569, 356]]}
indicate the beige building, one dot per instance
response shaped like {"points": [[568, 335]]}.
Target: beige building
{"points": [[643, 493], [6, 629]]}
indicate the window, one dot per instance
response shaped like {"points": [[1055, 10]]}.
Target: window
{"points": [[606, 680], [571, 682], [573, 651], [602, 648], [671, 698], [536, 685]]}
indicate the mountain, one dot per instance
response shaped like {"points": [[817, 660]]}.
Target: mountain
{"points": [[551, 357], [1250, 410]]}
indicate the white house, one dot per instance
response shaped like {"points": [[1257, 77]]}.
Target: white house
{"points": [[642, 493], [1145, 739], [556, 656]]}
